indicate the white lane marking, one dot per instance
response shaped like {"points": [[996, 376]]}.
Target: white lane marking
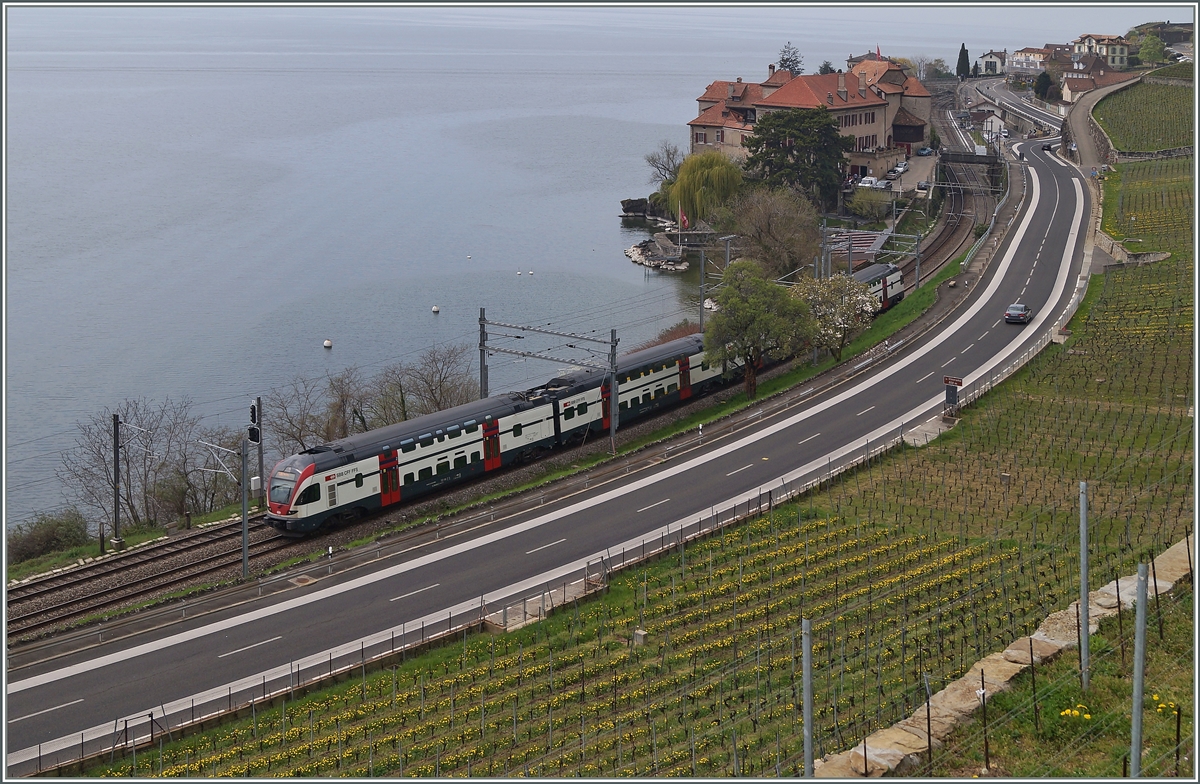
{"points": [[743, 468], [950, 360], [805, 441], [651, 506], [996, 324], [47, 710], [984, 301], [984, 335], [1023, 290], [248, 647], [927, 375], [543, 547], [865, 410], [414, 593], [968, 348]]}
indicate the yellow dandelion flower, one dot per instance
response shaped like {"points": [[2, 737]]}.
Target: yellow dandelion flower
{"points": [[1087, 715], [1154, 697]]}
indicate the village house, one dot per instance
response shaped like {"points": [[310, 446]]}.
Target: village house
{"points": [[1113, 48], [877, 103], [993, 63], [1087, 73], [1029, 61]]}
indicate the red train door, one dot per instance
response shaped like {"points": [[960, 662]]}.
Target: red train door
{"points": [[491, 445], [685, 378], [605, 405], [389, 479]]}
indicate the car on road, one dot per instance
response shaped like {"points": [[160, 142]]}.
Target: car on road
{"points": [[1047, 147], [882, 185], [922, 185], [867, 182], [901, 167], [1004, 132], [925, 151], [1018, 314]]}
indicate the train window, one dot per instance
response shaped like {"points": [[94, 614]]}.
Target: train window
{"points": [[333, 493], [441, 436], [410, 478], [704, 366], [443, 468], [309, 495], [460, 461], [567, 414], [475, 457], [582, 409], [407, 445], [358, 480], [453, 431], [646, 398], [624, 405], [427, 439], [472, 427], [425, 473], [671, 388], [517, 431]]}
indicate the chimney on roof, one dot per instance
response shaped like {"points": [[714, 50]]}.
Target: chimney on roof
{"points": [[770, 70], [829, 98], [739, 80], [862, 87], [842, 85], [731, 89]]}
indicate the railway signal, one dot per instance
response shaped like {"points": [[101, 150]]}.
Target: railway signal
{"points": [[253, 431]]}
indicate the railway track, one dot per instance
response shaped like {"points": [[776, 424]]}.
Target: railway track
{"points": [[62, 599]]}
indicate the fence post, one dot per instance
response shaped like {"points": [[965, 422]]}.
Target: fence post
{"points": [[1139, 666], [1084, 653]]}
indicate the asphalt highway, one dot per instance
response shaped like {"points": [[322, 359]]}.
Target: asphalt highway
{"points": [[80, 697]]}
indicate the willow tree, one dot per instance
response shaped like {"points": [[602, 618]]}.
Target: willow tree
{"points": [[704, 182]]}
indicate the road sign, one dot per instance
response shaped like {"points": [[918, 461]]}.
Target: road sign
{"points": [[948, 380]]}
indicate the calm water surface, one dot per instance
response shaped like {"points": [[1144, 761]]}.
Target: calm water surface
{"points": [[197, 198]]}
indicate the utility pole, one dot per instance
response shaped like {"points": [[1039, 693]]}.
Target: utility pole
{"points": [[483, 374], [245, 517], [702, 263], [117, 541]]}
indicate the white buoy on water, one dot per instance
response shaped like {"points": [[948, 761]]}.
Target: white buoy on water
{"points": [[530, 272], [328, 344], [468, 256], [436, 309], [518, 272]]}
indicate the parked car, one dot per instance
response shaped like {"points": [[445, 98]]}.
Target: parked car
{"points": [[867, 182], [925, 151], [922, 185], [1004, 132], [902, 167], [892, 174], [1018, 314], [882, 185]]}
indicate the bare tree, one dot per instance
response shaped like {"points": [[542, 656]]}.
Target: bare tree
{"points": [[664, 162], [386, 402], [208, 487], [292, 414], [345, 395], [781, 228], [441, 378], [156, 444], [841, 308]]}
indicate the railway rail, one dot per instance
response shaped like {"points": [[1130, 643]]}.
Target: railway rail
{"points": [[61, 599]]}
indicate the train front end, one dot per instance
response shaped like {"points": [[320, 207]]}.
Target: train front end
{"points": [[292, 495]]}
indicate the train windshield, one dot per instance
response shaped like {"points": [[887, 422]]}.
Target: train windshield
{"points": [[282, 485]]}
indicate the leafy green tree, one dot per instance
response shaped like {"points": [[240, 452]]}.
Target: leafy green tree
{"points": [[1042, 85], [790, 59], [936, 68], [870, 203], [826, 68], [975, 70], [963, 69], [801, 149], [756, 319], [704, 182], [781, 228], [1152, 50], [841, 308]]}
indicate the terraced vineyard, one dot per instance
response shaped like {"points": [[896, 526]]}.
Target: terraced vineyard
{"points": [[1150, 204], [1147, 117]]}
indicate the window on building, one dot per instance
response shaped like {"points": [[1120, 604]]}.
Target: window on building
{"points": [[720, 136], [701, 137]]}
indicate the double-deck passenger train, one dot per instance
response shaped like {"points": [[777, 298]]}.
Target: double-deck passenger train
{"points": [[349, 477], [884, 282]]}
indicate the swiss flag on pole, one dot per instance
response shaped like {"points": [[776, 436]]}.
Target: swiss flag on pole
{"points": [[683, 221], [878, 56]]}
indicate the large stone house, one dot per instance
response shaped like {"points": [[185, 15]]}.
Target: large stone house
{"points": [[1029, 61], [1113, 48], [884, 109], [1087, 73]]}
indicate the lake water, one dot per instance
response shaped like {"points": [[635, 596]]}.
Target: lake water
{"points": [[198, 197]]}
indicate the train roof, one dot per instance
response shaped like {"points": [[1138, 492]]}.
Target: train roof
{"points": [[585, 378], [874, 272], [360, 445]]}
